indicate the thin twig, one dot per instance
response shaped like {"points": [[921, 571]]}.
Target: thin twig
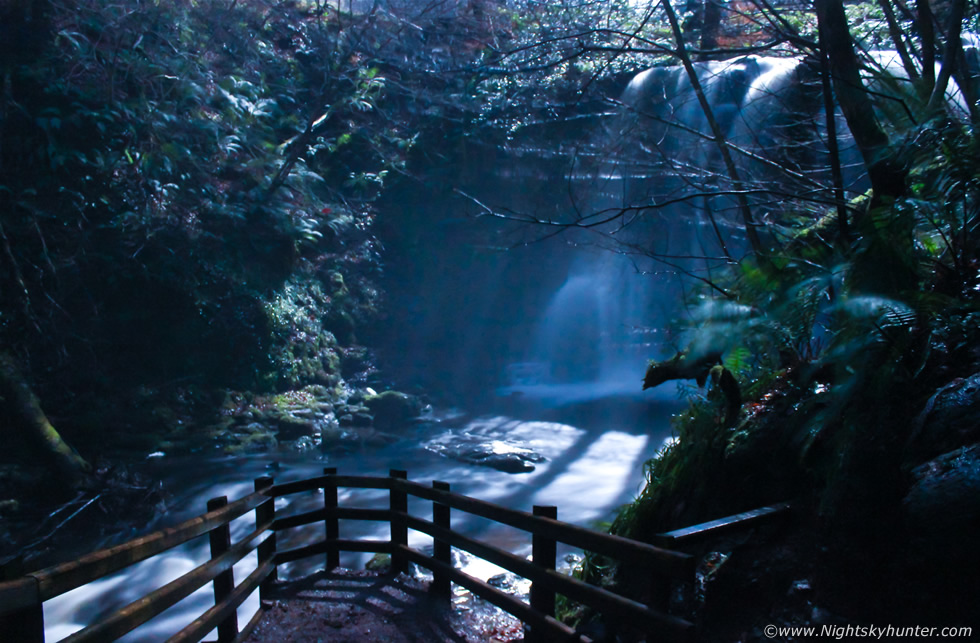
{"points": [[61, 524]]}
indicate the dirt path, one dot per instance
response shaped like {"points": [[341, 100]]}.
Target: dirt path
{"points": [[346, 606]]}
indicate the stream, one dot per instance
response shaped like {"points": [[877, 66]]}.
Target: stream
{"points": [[590, 445]]}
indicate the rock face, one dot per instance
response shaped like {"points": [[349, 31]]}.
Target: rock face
{"points": [[949, 421], [943, 504]]}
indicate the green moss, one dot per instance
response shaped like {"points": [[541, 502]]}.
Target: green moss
{"points": [[289, 399], [251, 443], [379, 563], [302, 350]]}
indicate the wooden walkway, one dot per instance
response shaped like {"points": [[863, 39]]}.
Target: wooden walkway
{"points": [[343, 606], [21, 600]]}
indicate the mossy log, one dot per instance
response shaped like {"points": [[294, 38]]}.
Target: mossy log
{"points": [[681, 367], [25, 413]]}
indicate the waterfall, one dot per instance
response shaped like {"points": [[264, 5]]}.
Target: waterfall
{"points": [[606, 319], [596, 334]]}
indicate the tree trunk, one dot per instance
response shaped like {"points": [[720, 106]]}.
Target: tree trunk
{"points": [[711, 28], [898, 39], [927, 34], [833, 149], [717, 134], [888, 177], [26, 414], [954, 62]]}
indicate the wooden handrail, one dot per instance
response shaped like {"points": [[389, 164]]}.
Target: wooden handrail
{"points": [[56, 580], [343, 513], [672, 563], [312, 484], [19, 594], [140, 611], [634, 613], [506, 602], [21, 599], [200, 627], [320, 547]]}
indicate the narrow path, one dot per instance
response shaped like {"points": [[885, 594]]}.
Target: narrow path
{"points": [[347, 606]]}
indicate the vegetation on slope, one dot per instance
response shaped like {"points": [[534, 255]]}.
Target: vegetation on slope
{"points": [[847, 336]]}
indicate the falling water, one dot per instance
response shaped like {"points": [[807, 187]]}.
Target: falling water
{"points": [[595, 336]]}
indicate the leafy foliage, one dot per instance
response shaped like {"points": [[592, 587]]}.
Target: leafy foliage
{"points": [[848, 322], [169, 169]]}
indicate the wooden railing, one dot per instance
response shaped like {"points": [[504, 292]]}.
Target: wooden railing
{"points": [[21, 600]]}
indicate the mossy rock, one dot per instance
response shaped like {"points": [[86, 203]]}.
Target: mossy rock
{"points": [[255, 442], [393, 409], [379, 563], [291, 426]]}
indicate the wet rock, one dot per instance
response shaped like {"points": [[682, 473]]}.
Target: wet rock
{"points": [[512, 584], [506, 462], [500, 581], [251, 442], [291, 427], [496, 454], [942, 508], [379, 563], [948, 420], [331, 435], [569, 563], [393, 409], [363, 419], [305, 443], [356, 361]]}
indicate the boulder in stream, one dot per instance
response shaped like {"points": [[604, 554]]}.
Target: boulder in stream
{"points": [[393, 409], [478, 450]]}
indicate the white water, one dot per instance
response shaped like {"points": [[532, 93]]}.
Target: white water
{"points": [[594, 465]]}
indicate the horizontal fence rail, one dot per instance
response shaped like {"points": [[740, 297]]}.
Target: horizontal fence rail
{"points": [[546, 532], [21, 599]]}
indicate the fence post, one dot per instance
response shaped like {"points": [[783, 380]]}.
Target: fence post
{"points": [[441, 550], [267, 548], [330, 522], [544, 554], [27, 623], [398, 503], [224, 583]]}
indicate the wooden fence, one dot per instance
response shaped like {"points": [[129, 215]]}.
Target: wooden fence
{"points": [[21, 600]]}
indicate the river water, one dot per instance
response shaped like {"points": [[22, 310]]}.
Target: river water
{"points": [[594, 445]]}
